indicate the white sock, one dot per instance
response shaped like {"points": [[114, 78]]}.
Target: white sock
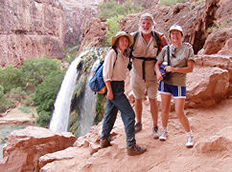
{"points": [[189, 133]]}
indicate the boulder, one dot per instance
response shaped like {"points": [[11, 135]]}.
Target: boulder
{"points": [[216, 60], [226, 50], [26, 146], [206, 86], [216, 41], [220, 142]]}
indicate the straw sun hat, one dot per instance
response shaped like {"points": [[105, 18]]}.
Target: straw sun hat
{"points": [[120, 34]]}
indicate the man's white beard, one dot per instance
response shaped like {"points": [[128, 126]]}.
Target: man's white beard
{"points": [[145, 31]]}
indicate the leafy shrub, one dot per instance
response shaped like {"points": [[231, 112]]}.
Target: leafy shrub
{"points": [[5, 104], [171, 2], [1, 91], [113, 23], [35, 70], [45, 96], [17, 94], [113, 12], [10, 77], [44, 118], [100, 108], [113, 8]]}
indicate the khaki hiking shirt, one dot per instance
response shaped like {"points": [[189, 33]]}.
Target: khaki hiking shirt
{"points": [[180, 58], [144, 49], [118, 71]]}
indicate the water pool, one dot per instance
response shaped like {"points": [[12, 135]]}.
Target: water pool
{"points": [[5, 131]]}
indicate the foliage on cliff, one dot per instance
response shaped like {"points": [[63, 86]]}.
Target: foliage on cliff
{"points": [[113, 12]]}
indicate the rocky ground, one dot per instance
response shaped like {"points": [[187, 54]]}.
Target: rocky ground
{"points": [[212, 151]]}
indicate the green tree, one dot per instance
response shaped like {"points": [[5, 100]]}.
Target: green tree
{"points": [[10, 77], [35, 70], [45, 96]]}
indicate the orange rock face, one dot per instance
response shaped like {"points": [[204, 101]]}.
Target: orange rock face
{"points": [[26, 146], [206, 86]]}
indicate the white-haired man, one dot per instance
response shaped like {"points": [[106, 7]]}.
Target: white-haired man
{"points": [[147, 45]]}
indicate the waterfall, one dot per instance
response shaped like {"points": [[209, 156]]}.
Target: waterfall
{"points": [[60, 116], [88, 107]]}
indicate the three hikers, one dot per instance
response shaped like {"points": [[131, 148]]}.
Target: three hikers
{"points": [[147, 54]]}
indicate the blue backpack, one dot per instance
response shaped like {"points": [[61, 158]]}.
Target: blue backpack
{"points": [[96, 83]]}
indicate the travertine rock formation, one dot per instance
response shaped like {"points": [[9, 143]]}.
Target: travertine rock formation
{"points": [[25, 146]]}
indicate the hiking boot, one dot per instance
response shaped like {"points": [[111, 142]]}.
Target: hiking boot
{"points": [[155, 132], [190, 141], [104, 142], [138, 127], [135, 150], [163, 136]]}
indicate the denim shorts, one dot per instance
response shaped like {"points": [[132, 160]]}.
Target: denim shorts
{"points": [[175, 91]]}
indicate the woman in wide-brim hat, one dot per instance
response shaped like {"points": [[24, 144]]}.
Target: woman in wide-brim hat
{"points": [[114, 74]]}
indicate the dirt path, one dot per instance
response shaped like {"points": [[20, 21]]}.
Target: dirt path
{"points": [[171, 155]]}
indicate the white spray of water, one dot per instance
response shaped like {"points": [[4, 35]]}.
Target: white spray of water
{"points": [[88, 107], [60, 116]]}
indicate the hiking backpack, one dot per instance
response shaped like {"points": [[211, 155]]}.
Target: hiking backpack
{"points": [[96, 83]]}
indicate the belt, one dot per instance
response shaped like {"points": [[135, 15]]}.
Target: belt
{"points": [[143, 64]]}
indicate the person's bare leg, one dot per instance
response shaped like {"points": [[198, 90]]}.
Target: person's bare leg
{"points": [[179, 107], [138, 113], [138, 110], [154, 111], [165, 109]]}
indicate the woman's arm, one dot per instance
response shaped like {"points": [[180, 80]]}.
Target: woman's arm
{"points": [[110, 94], [157, 70], [187, 69]]}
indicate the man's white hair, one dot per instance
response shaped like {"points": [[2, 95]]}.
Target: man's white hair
{"points": [[147, 16]]}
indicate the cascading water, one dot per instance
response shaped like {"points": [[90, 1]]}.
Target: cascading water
{"points": [[87, 110], [86, 100], [60, 116]]}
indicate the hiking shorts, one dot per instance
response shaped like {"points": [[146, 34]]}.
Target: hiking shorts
{"points": [[175, 91], [142, 88]]}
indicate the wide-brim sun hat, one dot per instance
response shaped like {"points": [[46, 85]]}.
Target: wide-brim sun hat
{"points": [[176, 27], [120, 34]]}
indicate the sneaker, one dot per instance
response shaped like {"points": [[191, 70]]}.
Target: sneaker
{"points": [[155, 132], [163, 136], [190, 142], [138, 127], [135, 150], [104, 142]]}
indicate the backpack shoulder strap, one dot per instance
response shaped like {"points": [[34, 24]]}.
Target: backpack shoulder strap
{"points": [[116, 56], [133, 45], [158, 41], [168, 55]]}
